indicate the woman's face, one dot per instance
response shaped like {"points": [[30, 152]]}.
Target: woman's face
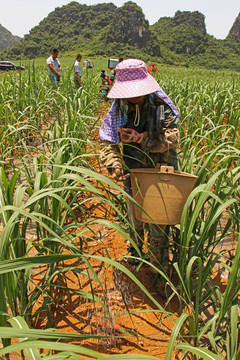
{"points": [[137, 100]]}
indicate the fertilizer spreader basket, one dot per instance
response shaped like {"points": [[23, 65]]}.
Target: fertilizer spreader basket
{"points": [[161, 193]]}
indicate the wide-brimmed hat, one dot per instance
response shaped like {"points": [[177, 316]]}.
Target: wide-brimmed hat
{"points": [[132, 80]]}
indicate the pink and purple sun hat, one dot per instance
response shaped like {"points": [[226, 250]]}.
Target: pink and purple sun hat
{"points": [[132, 80]]}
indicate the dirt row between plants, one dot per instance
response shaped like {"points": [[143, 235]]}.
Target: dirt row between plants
{"points": [[142, 333], [129, 321]]}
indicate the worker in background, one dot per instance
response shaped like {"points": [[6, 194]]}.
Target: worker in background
{"points": [[54, 67], [77, 71], [129, 139]]}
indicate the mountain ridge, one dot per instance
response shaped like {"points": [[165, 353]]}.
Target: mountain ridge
{"points": [[107, 30], [7, 39]]}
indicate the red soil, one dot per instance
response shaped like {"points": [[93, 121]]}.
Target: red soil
{"points": [[141, 333]]}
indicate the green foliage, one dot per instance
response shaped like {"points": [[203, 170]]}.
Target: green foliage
{"points": [[183, 41], [234, 33], [194, 19]]}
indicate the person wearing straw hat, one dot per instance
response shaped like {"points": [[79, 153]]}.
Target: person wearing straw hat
{"points": [[131, 139]]}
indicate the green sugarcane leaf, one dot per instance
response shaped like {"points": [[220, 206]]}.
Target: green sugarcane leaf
{"points": [[38, 344], [175, 334], [202, 352], [129, 357], [64, 355], [19, 323]]}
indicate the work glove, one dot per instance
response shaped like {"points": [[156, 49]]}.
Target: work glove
{"points": [[172, 136], [130, 136], [118, 172], [163, 143]]}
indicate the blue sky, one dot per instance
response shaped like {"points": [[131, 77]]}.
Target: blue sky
{"points": [[19, 16]]}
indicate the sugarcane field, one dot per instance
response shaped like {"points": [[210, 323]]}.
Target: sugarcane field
{"points": [[78, 278]]}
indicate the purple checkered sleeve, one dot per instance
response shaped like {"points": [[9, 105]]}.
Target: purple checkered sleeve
{"points": [[111, 123]]}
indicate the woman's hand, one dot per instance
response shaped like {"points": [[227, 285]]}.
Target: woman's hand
{"points": [[118, 172], [130, 135]]}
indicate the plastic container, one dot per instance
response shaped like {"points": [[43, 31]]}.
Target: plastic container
{"points": [[161, 193], [112, 63]]}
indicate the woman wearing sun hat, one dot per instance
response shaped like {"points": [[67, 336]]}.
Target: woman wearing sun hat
{"points": [[138, 99]]}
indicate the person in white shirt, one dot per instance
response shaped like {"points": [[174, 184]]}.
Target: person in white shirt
{"points": [[77, 71], [54, 67]]}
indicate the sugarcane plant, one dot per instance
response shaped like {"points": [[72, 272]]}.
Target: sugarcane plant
{"points": [[50, 173]]}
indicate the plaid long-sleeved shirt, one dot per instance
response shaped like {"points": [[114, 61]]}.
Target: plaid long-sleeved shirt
{"points": [[115, 118]]}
